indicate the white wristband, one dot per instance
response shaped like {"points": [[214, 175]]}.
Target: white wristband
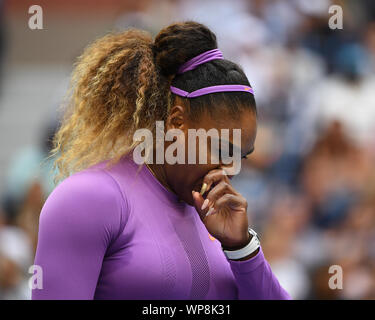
{"points": [[253, 245]]}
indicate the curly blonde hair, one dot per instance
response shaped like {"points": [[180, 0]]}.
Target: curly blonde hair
{"points": [[115, 89]]}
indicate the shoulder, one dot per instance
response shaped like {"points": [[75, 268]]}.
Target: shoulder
{"points": [[90, 186], [87, 200]]}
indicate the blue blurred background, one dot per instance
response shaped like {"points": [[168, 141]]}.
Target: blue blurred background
{"points": [[310, 183]]}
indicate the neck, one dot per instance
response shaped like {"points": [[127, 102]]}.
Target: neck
{"points": [[159, 173]]}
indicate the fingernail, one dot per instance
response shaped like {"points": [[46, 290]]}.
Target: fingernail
{"points": [[205, 204], [210, 211], [203, 190]]}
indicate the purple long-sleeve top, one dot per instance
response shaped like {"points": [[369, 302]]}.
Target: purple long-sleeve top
{"points": [[118, 233]]}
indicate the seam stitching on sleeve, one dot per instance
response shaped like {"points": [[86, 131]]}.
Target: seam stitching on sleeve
{"points": [[122, 208]]}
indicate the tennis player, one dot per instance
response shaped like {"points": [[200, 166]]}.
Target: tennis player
{"points": [[113, 229]]}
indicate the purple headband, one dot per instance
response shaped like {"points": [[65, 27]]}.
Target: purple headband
{"points": [[213, 89], [196, 61], [202, 58]]}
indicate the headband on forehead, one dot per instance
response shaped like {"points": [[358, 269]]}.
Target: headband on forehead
{"points": [[198, 60]]}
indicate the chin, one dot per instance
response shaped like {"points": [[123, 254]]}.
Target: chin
{"points": [[185, 194], [186, 197], [190, 201]]}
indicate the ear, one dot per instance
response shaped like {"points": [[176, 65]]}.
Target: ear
{"points": [[177, 118]]}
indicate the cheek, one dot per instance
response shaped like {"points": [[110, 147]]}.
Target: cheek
{"points": [[198, 154]]}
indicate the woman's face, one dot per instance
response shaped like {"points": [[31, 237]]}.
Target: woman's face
{"points": [[183, 178]]}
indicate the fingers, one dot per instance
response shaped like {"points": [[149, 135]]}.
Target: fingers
{"points": [[220, 194], [198, 202], [232, 201], [218, 190], [201, 205], [204, 188], [213, 177]]}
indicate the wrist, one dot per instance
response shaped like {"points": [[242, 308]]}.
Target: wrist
{"points": [[248, 257], [237, 247], [244, 251]]}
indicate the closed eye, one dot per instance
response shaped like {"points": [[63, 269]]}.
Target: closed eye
{"points": [[247, 154]]}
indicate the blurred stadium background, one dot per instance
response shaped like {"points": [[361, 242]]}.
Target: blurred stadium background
{"points": [[311, 181]]}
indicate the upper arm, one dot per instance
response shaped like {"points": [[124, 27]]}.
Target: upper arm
{"points": [[79, 220]]}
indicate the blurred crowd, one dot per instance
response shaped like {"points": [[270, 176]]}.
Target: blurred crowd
{"points": [[310, 183]]}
